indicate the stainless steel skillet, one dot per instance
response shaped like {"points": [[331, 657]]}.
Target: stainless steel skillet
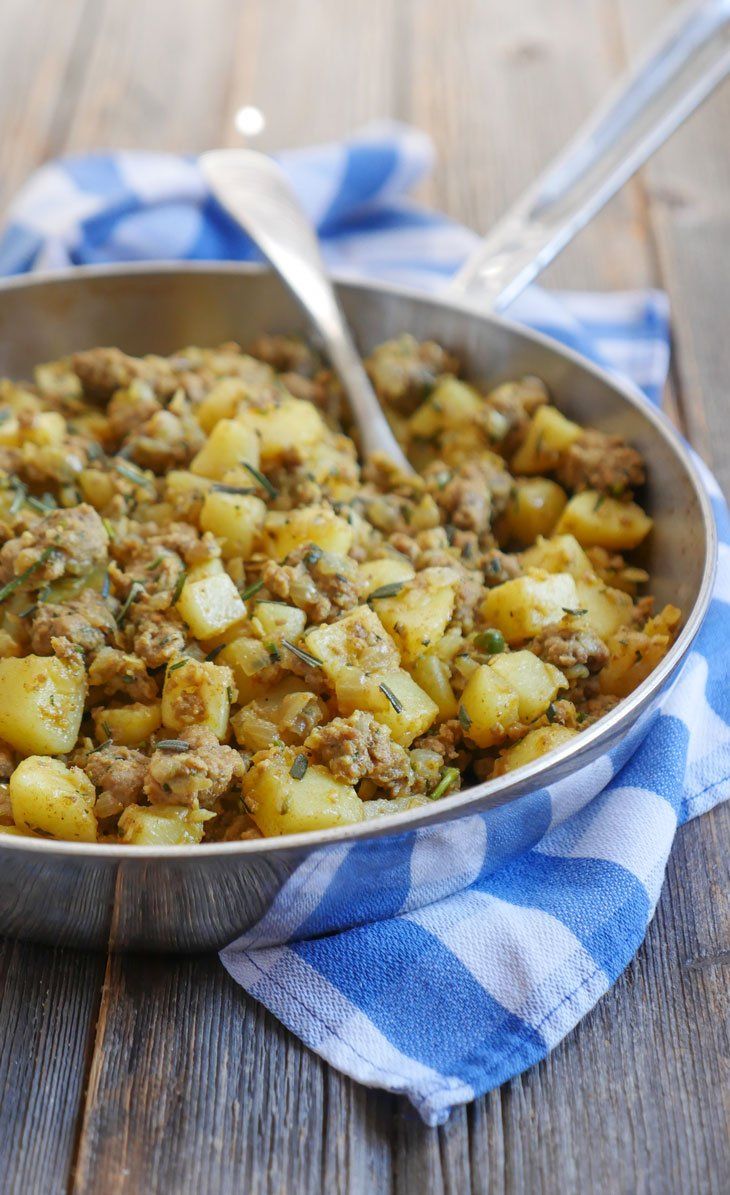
{"points": [[200, 898]]}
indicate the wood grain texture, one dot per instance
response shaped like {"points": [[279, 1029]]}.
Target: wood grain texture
{"points": [[192, 1087]]}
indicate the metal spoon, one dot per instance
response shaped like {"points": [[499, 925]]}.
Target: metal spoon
{"points": [[687, 60], [257, 193]]}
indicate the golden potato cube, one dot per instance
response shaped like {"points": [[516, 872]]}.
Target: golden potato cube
{"points": [[246, 657], [559, 554], [489, 706], [450, 403], [291, 423], [10, 436], [359, 639], [221, 402], [393, 698], [197, 692], [47, 428], [522, 607], [418, 616], [549, 434], [210, 605], [535, 683], [128, 725], [535, 744], [96, 487], [598, 521], [281, 804], [278, 621], [45, 795], [534, 507], [606, 609], [285, 530], [204, 568], [388, 571], [168, 825], [229, 443], [42, 703], [434, 677], [235, 519]]}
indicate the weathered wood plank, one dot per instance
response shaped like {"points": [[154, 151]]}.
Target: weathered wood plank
{"points": [[48, 1002]]}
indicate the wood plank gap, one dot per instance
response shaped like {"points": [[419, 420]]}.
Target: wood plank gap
{"points": [[90, 1061]]}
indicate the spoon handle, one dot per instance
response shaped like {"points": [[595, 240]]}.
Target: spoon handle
{"points": [[255, 191], [688, 59]]}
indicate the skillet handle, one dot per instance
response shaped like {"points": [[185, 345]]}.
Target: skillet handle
{"points": [[689, 58]]}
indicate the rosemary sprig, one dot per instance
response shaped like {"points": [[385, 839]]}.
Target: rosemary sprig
{"points": [[394, 701], [134, 591], [215, 651], [464, 718], [298, 769], [178, 664], [179, 586], [221, 487], [263, 481], [150, 568], [386, 591], [21, 578], [133, 474], [305, 656], [250, 590], [172, 745]]}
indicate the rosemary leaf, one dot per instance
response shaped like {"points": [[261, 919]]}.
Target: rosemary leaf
{"points": [[299, 767], [263, 481], [305, 656], [134, 591], [172, 745], [16, 582], [386, 591], [394, 701], [251, 590]]}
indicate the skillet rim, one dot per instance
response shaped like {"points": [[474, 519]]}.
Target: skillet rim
{"points": [[475, 799]]}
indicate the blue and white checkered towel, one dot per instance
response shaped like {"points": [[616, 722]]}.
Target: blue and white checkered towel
{"points": [[441, 963]]}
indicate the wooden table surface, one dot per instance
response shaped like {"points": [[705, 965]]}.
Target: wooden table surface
{"points": [[141, 1075]]}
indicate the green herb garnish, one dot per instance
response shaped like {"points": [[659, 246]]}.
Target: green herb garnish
{"points": [[221, 487], [155, 564], [215, 651], [394, 701], [576, 613], [386, 591], [251, 590], [172, 745], [464, 718], [179, 586], [449, 776], [299, 767], [305, 656], [134, 591], [263, 481], [177, 664], [16, 582], [133, 474]]}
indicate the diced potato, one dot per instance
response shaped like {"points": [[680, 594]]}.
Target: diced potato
{"points": [[182, 487], [285, 530], [45, 795], [434, 677], [280, 804], [204, 568], [634, 654], [167, 825], [559, 554], [236, 519], [534, 507], [292, 423], [359, 639], [278, 621], [229, 443], [598, 521], [333, 466], [42, 703], [450, 403], [221, 402], [549, 434], [9, 646], [535, 744], [489, 706], [245, 656], [47, 428], [388, 571], [197, 692], [535, 682], [10, 432], [418, 616], [128, 725], [522, 607], [606, 609], [210, 605], [96, 487], [408, 712]]}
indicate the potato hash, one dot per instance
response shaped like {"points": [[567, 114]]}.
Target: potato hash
{"points": [[217, 623]]}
